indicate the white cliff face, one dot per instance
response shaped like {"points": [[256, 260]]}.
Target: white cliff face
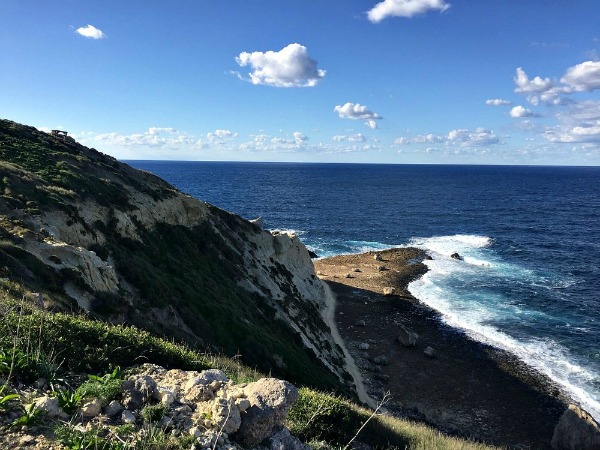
{"points": [[275, 266], [294, 290]]}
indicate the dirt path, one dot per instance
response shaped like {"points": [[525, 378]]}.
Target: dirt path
{"points": [[329, 317]]}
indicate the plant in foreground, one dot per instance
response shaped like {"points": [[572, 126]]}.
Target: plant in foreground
{"points": [[30, 415], [5, 399]]}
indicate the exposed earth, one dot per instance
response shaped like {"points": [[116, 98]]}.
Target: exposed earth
{"points": [[466, 388]]}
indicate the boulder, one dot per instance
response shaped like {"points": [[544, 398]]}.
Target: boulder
{"points": [[377, 257], [389, 291], [429, 352], [406, 337], [576, 430], [312, 254], [456, 256], [363, 346], [127, 417], [133, 399], [49, 405], [361, 323], [91, 408], [270, 400], [382, 268], [113, 408]]}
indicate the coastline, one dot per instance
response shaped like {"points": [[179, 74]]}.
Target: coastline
{"points": [[468, 388]]}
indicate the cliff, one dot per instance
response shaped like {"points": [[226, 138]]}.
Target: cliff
{"points": [[92, 234]]}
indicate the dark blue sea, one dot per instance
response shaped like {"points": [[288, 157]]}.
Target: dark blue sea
{"points": [[530, 237]]}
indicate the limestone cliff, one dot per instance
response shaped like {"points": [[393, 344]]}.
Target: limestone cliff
{"points": [[126, 246]]}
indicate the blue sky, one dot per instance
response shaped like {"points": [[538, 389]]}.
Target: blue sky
{"points": [[394, 81]]}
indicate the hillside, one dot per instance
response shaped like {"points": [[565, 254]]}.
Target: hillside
{"points": [[89, 233]]}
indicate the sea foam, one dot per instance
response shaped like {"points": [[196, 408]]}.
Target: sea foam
{"points": [[468, 295]]}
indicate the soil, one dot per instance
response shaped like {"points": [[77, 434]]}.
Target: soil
{"points": [[467, 389]]}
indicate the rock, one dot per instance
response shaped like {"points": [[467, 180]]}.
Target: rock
{"points": [[363, 346], [348, 275], [282, 439], [389, 291], [576, 430], [259, 222], [357, 270], [429, 352], [427, 258], [113, 408], [206, 377], [406, 337], [382, 268], [381, 377], [270, 400], [133, 399], [91, 408], [381, 360], [146, 385], [49, 405], [312, 254], [456, 256], [361, 323], [226, 415], [127, 417], [242, 403], [377, 257]]}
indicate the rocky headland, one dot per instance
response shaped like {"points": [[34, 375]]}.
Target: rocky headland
{"points": [[434, 373]]}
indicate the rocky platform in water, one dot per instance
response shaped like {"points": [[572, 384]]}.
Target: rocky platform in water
{"points": [[434, 373]]}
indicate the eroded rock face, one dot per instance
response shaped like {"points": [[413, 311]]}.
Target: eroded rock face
{"points": [[576, 430], [270, 400]]}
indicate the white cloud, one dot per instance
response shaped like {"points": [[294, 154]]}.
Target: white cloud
{"points": [[371, 124], [404, 8], [358, 137], [527, 86], [289, 67], [580, 123], [153, 137], [497, 102], [91, 32], [520, 111], [480, 137], [220, 136], [583, 77], [356, 111]]}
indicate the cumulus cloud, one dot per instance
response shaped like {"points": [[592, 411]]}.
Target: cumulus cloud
{"points": [[404, 8], [480, 137], [520, 111], [583, 77], [356, 111], [371, 124], [220, 136], [153, 137], [497, 102], [91, 32], [289, 67], [580, 123], [359, 137]]}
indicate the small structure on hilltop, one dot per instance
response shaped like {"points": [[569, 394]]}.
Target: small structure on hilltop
{"points": [[60, 134]]}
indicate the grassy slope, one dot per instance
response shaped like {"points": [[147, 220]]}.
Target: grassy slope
{"points": [[59, 345]]}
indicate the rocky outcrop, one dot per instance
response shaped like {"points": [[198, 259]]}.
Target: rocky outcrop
{"points": [[576, 430], [206, 405]]}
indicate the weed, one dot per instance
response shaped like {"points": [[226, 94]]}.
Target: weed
{"points": [[29, 417], [5, 399], [153, 413], [68, 399]]}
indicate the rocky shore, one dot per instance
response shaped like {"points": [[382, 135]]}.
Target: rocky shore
{"points": [[434, 373]]}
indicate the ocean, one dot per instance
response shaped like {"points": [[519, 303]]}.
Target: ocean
{"points": [[529, 281]]}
